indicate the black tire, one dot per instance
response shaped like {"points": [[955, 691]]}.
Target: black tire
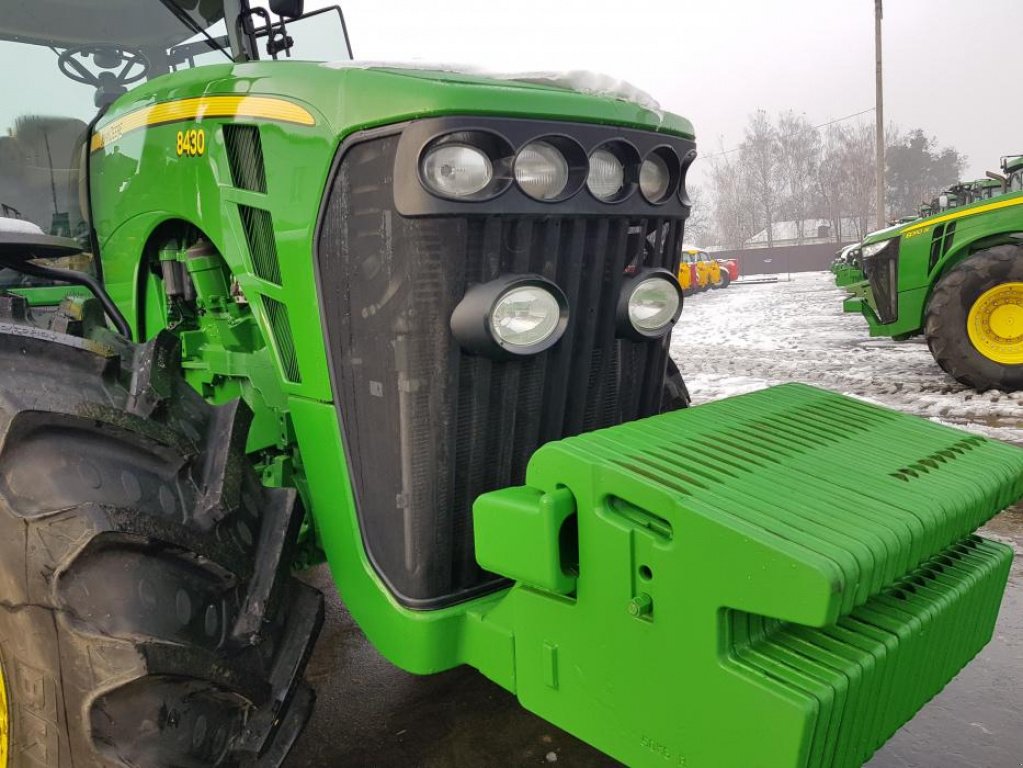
{"points": [[147, 613], [726, 278], [945, 322]]}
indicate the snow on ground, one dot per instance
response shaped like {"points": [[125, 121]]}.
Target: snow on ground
{"points": [[748, 337]]}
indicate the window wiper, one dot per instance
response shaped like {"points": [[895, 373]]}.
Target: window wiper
{"points": [[185, 18]]}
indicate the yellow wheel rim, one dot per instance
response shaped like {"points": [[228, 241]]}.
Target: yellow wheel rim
{"points": [[4, 721], [995, 324]]}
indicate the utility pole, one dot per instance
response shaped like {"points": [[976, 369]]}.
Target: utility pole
{"points": [[879, 116]]}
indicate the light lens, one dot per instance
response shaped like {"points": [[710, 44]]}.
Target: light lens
{"points": [[541, 170], [457, 170], [874, 248], [653, 305], [654, 178], [525, 316], [607, 175]]}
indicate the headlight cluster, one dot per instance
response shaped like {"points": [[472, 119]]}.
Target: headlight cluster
{"points": [[518, 315], [479, 165]]}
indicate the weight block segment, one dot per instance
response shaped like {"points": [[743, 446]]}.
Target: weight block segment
{"points": [[776, 580]]}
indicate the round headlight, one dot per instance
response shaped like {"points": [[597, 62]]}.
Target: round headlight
{"points": [[607, 175], [457, 170], [541, 170], [510, 316], [525, 316], [649, 306], [654, 178]]}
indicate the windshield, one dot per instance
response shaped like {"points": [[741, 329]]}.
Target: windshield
{"points": [[61, 60]]}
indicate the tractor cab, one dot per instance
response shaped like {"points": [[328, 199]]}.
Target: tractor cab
{"points": [[81, 58], [1012, 167]]}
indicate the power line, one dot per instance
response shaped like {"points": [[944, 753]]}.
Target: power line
{"points": [[822, 125]]}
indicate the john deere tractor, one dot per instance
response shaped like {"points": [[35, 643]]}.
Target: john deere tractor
{"points": [[261, 312], [957, 278]]}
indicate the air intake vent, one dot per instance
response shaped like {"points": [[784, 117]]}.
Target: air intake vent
{"points": [[245, 153], [259, 231], [280, 326], [941, 242]]}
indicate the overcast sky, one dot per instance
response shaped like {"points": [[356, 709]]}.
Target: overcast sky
{"points": [[950, 66]]}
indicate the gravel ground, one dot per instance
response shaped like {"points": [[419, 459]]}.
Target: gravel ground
{"points": [[738, 340]]}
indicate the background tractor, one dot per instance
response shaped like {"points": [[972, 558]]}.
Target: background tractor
{"points": [[957, 278], [261, 314]]}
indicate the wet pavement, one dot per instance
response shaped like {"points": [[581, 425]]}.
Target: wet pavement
{"points": [[371, 714]]}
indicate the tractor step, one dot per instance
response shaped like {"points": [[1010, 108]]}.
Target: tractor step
{"points": [[776, 580]]}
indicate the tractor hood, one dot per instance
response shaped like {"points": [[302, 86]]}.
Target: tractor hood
{"points": [[357, 96], [580, 81]]}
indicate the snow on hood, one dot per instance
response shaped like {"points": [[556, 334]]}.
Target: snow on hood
{"points": [[19, 226], [578, 80]]}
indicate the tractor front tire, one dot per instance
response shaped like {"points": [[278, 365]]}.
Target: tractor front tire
{"points": [[148, 617], [974, 320]]}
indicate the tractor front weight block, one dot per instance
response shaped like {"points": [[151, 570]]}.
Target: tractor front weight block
{"points": [[777, 580]]}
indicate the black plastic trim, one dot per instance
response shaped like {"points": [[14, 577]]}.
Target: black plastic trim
{"points": [[413, 199]]}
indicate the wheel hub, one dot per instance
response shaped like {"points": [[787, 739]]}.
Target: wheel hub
{"points": [[4, 721], [995, 324]]}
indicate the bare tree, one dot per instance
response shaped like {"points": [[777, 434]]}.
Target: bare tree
{"points": [[735, 213], [856, 161], [799, 149], [759, 153], [828, 179], [699, 225]]}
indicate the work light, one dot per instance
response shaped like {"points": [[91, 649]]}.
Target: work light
{"points": [[525, 316], [650, 304], [541, 170], [457, 170], [655, 177], [606, 180], [510, 316]]}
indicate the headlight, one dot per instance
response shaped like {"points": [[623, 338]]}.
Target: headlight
{"points": [[606, 179], [654, 178], [525, 316], [457, 170], [659, 175], [510, 316], [683, 193], [873, 249], [541, 171], [650, 304]]}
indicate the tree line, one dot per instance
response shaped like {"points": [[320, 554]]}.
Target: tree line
{"points": [[787, 169]]}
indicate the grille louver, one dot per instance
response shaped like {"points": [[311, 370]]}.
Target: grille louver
{"points": [[245, 155]]}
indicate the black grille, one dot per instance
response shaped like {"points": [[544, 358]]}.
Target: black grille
{"points": [[428, 427], [882, 270]]}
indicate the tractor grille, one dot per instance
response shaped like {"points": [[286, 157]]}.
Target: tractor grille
{"points": [[882, 270], [428, 428]]}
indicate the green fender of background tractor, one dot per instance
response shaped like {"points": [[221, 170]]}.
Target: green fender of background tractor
{"points": [[791, 609]]}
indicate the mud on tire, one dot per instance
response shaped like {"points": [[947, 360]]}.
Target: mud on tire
{"points": [[945, 322], [147, 613]]}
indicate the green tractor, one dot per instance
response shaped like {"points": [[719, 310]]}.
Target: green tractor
{"points": [[846, 266], [956, 277], [261, 312]]}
